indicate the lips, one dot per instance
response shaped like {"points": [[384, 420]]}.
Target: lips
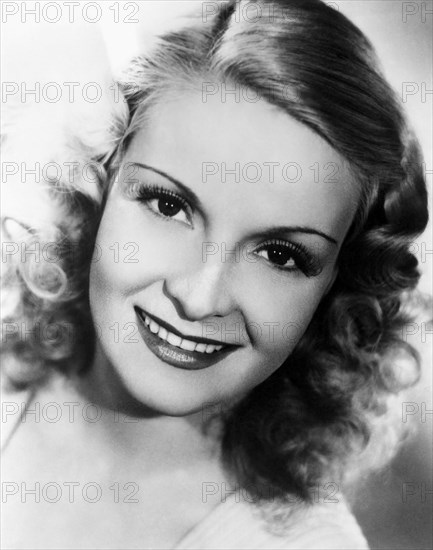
{"points": [[176, 349]]}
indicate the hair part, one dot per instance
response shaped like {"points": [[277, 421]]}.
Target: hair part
{"points": [[309, 421]]}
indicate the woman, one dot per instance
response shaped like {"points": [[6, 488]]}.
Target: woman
{"points": [[222, 310]]}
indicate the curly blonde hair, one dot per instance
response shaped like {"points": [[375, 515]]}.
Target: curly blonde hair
{"points": [[306, 423]]}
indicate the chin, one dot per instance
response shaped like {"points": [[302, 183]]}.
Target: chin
{"points": [[169, 403], [157, 388]]}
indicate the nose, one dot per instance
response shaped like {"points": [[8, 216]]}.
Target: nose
{"points": [[202, 292]]}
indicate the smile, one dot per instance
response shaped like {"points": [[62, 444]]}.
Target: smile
{"points": [[169, 345], [177, 341]]}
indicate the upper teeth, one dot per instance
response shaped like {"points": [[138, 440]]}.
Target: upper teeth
{"points": [[177, 341]]}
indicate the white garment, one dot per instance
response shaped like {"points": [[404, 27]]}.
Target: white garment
{"points": [[238, 524]]}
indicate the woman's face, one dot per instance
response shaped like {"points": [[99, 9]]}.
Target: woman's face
{"points": [[224, 226]]}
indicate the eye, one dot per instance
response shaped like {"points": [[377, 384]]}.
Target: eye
{"points": [[289, 256], [168, 207], [163, 203]]}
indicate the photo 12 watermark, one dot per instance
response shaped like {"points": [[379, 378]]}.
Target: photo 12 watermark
{"points": [[416, 12], [326, 493], [70, 12], [411, 410], [69, 491]]}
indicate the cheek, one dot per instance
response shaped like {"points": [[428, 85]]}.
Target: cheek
{"points": [[279, 317], [276, 319], [131, 250]]}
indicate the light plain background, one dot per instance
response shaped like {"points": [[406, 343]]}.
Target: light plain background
{"points": [[402, 34]]}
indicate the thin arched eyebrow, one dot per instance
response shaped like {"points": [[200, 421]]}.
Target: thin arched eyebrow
{"points": [[276, 231], [270, 232], [188, 193]]}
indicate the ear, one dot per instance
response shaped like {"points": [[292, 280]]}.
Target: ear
{"points": [[331, 280]]}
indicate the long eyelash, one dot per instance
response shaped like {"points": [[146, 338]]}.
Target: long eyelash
{"points": [[144, 192], [307, 264]]}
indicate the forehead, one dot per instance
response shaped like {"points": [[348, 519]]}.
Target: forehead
{"points": [[249, 153]]}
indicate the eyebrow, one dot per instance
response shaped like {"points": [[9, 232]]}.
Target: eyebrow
{"points": [[189, 194], [267, 233], [277, 230]]}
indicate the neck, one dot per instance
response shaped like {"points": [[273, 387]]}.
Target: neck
{"points": [[127, 424]]}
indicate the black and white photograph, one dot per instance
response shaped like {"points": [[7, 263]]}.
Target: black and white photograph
{"points": [[216, 275]]}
